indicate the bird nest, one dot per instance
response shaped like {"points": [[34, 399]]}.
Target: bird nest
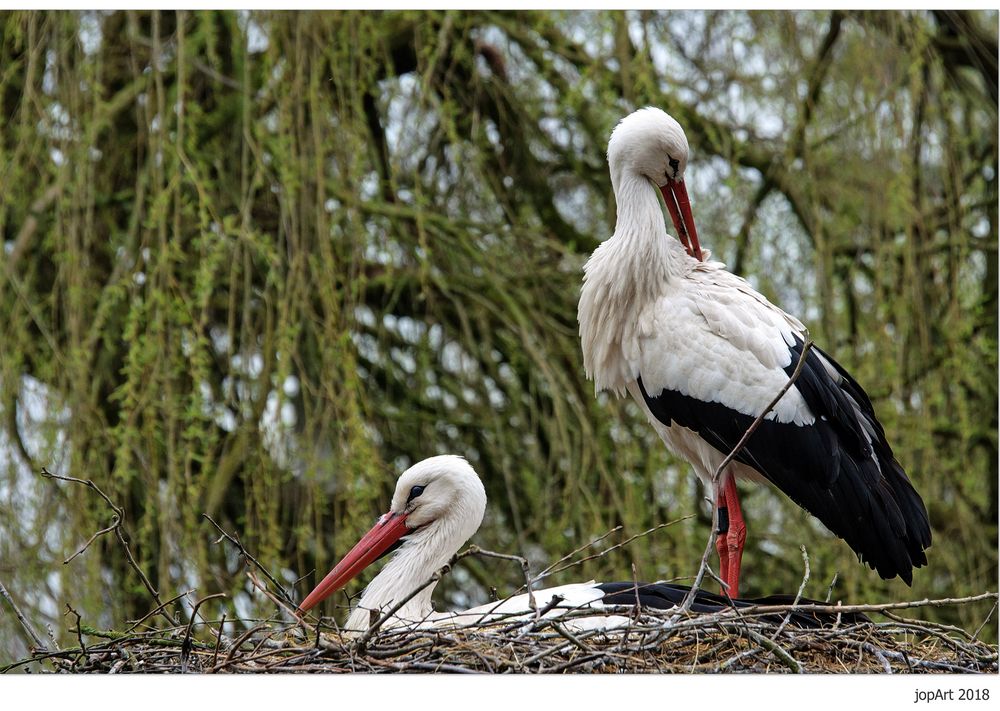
{"points": [[790, 638], [757, 640]]}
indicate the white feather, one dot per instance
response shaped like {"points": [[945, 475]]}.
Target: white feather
{"points": [[556, 602]]}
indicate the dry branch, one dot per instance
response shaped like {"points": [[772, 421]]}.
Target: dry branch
{"points": [[118, 523], [248, 557], [798, 593], [600, 554], [32, 635]]}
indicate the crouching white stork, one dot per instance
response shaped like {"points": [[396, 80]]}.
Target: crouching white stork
{"points": [[703, 354], [437, 505]]}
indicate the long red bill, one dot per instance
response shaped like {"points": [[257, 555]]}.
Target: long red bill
{"points": [[679, 206], [389, 529]]}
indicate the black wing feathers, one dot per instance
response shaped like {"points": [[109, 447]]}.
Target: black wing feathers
{"points": [[664, 596], [840, 468]]}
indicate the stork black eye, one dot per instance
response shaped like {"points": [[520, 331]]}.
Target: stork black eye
{"points": [[414, 493], [674, 166]]}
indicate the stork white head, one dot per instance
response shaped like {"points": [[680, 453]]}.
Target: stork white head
{"points": [[650, 144], [437, 505]]}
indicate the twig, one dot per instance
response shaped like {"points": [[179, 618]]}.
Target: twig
{"points": [[689, 598], [79, 630], [60, 654], [975, 635], [873, 607], [777, 649], [798, 595], [39, 644], [546, 651], [614, 547], [218, 640], [900, 656], [374, 627], [246, 555], [594, 542], [52, 636], [635, 588], [109, 529], [424, 666], [576, 662], [271, 596], [878, 655], [234, 647], [156, 609], [117, 527], [563, 632], [186, 644], [540, 620], [927, 625], [829, 590], [525, 570]]}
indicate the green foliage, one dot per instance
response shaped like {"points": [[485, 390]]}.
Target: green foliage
{"points": [[257, 263]]}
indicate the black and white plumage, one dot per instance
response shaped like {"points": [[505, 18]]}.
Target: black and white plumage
{"points": [[703, 354], [437, 505]]}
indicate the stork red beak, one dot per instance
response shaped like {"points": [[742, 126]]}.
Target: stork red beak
{"points": [[389, 529], [676, 196]]}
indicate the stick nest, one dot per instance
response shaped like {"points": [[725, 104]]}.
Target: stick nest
{"points": [[757, 639], [730, 641]]}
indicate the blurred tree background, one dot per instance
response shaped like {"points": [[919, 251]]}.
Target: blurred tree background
{"points": [[256, 263]]}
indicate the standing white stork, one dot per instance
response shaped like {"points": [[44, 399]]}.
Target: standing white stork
{"points": [[703, 354], [437, 505]]}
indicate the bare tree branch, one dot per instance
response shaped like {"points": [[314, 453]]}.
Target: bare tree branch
{"points": [[25, 625], [118, 527]]}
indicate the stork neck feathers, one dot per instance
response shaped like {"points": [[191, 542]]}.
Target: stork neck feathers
{"points": [[641, 240], [623, 276], [424, 552]]}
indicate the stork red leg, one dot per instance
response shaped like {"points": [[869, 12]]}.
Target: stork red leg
{"points": [[722, 533], [736, 536]]}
